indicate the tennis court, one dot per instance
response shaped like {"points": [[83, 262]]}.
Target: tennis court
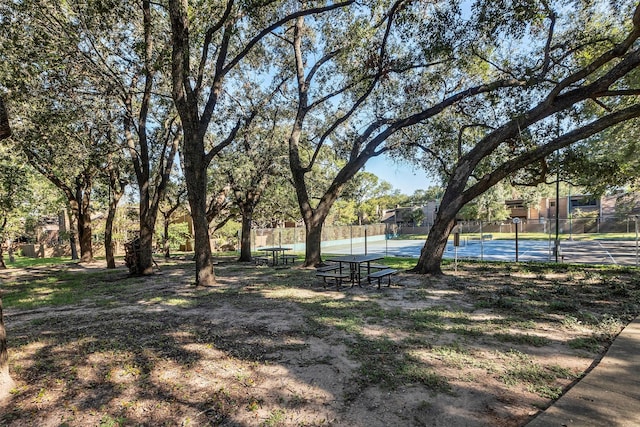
{"points": [[614, 252]]}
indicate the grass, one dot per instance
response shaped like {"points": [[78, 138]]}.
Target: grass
{"points": [[591, 344], [60, 288], [28, 262], [523, 339]]}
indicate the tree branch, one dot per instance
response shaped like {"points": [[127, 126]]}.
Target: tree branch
{"points": [[524, 159]]}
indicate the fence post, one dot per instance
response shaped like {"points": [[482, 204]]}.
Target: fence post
{"points": [[351, 238], [481, 242], [636, 221], [365, 239]]}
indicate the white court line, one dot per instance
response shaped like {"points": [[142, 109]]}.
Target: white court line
{"points": [[608, 253]]}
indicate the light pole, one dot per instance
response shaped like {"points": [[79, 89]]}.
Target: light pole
{"points": [[635, 217], [556, 248], [365, 239], [516, 221]]}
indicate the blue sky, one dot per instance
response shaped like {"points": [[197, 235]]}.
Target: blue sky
{"points": [[403, 176]]}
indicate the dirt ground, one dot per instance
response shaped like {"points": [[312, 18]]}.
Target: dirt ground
{"points": [[482, 346]]}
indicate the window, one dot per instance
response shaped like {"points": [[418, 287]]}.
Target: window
{"points": [[515, 204], [583, 202]]}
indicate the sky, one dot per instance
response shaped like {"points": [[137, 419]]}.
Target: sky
{"points": [[402, 176]]}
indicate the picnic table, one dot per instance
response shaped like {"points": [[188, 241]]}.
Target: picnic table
{"points": [[275, 251], [355, 263]]}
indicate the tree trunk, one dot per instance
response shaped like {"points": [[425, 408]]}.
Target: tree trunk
{"points": [[5, 130], [453, 200], [2, 264], [313, 255], [146, 245], [72, 233], [85, 237], [195, 172], [6, 383], [202, 247], [108, 242], [433, 250], [165, 238], [108, 229], [245, 236]]}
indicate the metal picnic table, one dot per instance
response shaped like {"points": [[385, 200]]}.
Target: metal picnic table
{"points": [[274, 253], [355, 263]]}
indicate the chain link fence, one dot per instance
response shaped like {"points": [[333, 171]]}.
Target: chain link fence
{"points": [[294, 237], [564, 226]]}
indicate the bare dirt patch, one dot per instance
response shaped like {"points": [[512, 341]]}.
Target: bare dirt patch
{"points": [[488, 345]]}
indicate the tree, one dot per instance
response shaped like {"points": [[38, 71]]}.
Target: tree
{"points": [[582, 63], [60, 128], [14, 191], [378, 60], [422, 197], [116, 56], [361, 189], [118, 181], [222, 45], [489, 206], [416, 216], [316, 92], [605, 162], [252, 165], [128, 52], [67, 154], [6, 382]]}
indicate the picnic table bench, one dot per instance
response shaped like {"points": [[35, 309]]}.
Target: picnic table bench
{"points": [[381, 274], [288, 258], [261, 260], [332, 274], [329, 267]]}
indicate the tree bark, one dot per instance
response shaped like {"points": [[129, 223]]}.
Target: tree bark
{"points": [[313, 254], [431, 254], [108, 230], [202, 247], [85, 232], [165, 237], [73, 227], [245, 235], [145, 257], [80, 210], [116, 191], [85, 237], [195, 171], [5, 129], [6, 383]]}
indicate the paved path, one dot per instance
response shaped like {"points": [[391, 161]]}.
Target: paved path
{"points": [[609, 395]]}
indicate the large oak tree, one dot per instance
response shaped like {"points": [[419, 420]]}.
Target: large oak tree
{"points": [[6, 198], [205, 53], [363, 81], [578, 63]]}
